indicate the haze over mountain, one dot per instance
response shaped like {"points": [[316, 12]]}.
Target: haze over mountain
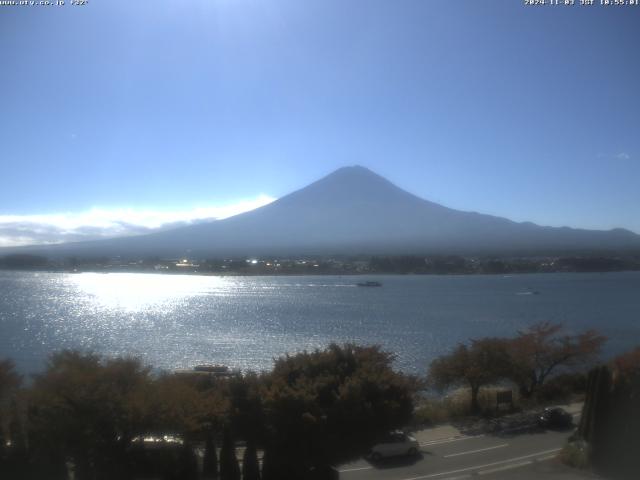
{"points": [[352, 211]]}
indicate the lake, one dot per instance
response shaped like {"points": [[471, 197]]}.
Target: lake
{"points": [[177, 321]]}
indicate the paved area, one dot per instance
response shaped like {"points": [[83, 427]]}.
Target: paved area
{"points": [[435, 434], [546, 470], [447, 453]]}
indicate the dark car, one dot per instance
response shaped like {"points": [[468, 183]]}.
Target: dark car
{"points": [[555, 417]]}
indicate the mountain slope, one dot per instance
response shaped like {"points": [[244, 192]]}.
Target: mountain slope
{"points": [[354, 210]]}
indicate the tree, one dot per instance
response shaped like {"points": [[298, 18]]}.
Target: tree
{"points": [[328, 406], [542, 349], [187, 462], [85, 408], [628, 364], [210, 461], [174, 404], [9, 380], [246, 409], [9, 386], [269, 470], [9, 383], [229, 469], [482, 362], [250, 466]]}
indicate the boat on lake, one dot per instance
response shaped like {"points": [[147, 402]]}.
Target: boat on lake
{"points": [[369, 284], [211, 370]]}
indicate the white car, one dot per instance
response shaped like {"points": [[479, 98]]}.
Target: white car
{"points": [[395, 444]]}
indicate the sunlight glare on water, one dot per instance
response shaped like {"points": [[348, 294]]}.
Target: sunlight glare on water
{"points": [[133, 292], [178, 321]]}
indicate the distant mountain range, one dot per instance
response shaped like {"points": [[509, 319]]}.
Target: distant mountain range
{"points": [[352, 211]]}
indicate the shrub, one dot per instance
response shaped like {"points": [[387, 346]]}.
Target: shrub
{"points": [[575, 454], [562, 388]]}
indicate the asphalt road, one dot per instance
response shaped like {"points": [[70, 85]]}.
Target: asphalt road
{"points": [[528, 455]]}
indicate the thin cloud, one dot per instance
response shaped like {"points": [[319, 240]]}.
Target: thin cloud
{"points": [[17, 230], [616, 156]]}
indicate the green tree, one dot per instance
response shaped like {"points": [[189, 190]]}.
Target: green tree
{"points": [[328, 406], [192, 405], [250, 466], [85, 408], [229, 469], [245, 407], [187, 462], [10, 383], [269, 469], [210, 460], [478, 364]]}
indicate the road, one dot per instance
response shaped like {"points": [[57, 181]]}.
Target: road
{"points": [[522, 455]]}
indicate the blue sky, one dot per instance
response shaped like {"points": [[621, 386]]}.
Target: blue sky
{"points": [[123, 107]]}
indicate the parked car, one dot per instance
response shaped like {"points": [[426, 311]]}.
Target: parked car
{"points": [[555, 417], [395, 444]]}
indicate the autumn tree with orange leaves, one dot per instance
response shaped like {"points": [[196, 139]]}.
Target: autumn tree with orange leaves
{"points": [[482, 362], [543, 349], [528, 359]]}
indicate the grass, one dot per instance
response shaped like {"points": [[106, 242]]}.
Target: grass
{"points": [[457, 405]]}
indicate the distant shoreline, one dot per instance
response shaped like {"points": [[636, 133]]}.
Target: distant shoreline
{"points": [[296, 274], [359, 265]]}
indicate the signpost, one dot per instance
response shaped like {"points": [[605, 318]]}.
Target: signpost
{"points": [[504, 397]]}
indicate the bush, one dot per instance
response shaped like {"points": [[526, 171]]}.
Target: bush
{"points": [[562, 388], [437, 411], [575, 454], [433, 411], [430, 413]]}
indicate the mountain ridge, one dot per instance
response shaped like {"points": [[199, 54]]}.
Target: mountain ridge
{"points": [[353, 210]]}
